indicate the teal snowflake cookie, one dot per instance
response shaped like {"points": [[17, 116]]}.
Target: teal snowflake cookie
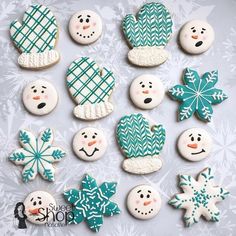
{"points": [[199, 197], [140, 143], [37, 155], [91, 203], [36, 37], [198, 94], [148, 34], [91, 88]]}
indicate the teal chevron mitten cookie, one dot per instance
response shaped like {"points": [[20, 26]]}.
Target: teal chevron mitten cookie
{"points": [[199, 197], [91, 203], [36, 38], [37, 155], [91, 88], [140, 143], [198, 94], [148, 34]]}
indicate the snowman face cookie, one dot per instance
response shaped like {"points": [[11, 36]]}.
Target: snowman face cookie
{"points": [[85, 27], [147, 91], [143, 202], [39, 206], [40, 97], [196, 36], [89, 144], [194, 144]]}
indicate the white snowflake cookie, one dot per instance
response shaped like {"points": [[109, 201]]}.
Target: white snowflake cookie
{"points": [[199, 197], [143, 202], [37, 155], [89, 144], [85, 27], [147, 91], [39, 207], [195, 144]]}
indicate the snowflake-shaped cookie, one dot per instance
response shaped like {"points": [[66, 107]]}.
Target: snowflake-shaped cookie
{"points": [[199, 197], [37, 155], [91, 203], [198, 94]]}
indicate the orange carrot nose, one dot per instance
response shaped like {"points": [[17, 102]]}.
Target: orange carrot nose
{"points": [[34, 211], [36, 97], [195, 36], [91, 143], [193, 145], [146, 91], [86, 27], [147, 203]]}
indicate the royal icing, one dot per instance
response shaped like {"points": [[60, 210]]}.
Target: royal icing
{"points": [[36, 37], [148, 34], [85, 27], [147, 91], [143, 202], [198, 94], [89, 144], [196, 36], [39, 207], [195, 144], [37, 155], [199, 197], [140, 143], [40, 97], [91, 88], [92, 202]]}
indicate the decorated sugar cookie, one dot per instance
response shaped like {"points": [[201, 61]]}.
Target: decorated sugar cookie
{"points": [[196, 36], [91, 88], [199, 197], [39, 207], [195, 144], [197, 95], [143, 202], [92, 202], [89, 144], [85, 27], [148, 34], [147, 91], [36, 37], [140, 143], [37, 155], [40, 97]]}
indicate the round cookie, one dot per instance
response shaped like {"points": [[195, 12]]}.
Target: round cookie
{"points": [[196, 36], [143, 202], [40, 97], [85, 27], [194, 144], [147, 91], [89, 144], [37, 204]]}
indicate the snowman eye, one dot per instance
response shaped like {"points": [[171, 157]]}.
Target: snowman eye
{"points": [[194, 31], [35, 90], [148, 196], [143, 86], [42, 91], [93, 136], [40, 202], [141, 195], [87, 20], [202, 32], [192, 138], [198, 139], [34, 203], [85, 136], [150, 86], [81, 20]]}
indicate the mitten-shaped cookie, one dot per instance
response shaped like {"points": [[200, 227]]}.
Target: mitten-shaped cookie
{"points": [[36, 38], [140, 143], [148, 34], [91, 88]]}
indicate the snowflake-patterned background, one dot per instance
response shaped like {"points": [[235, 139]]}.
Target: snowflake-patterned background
{"points": [[111, 51]]}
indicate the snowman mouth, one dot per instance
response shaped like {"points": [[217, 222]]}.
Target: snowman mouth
{"points": [[143, 213], [89, 155], [195, 153], [41, 105], [147, 100], [85, 36], [198, 44]]}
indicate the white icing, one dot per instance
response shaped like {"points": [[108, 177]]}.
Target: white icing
{"points": [[36, 204], [196, 36], [40, 97], [147, 91], [148, 56], [89, 144], [143, 202], [195, 144], [85, 27]]}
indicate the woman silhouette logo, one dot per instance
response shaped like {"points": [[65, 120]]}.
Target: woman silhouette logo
{"points": [[19, 213]]}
